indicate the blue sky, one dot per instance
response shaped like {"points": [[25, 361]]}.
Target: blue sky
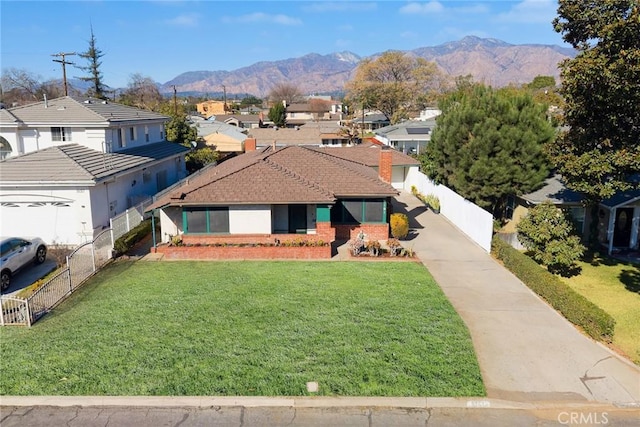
{"points": [[162, 39]]}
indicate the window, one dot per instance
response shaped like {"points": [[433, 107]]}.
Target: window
{"points": [[132, 134], [206, 220], [146, 134], [5, 148], [356, 211], [120, 139], [577, 216], [162, 135], [146, 176], [509, 207], [60, 134]]}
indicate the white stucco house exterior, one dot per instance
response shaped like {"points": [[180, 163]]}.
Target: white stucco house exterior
{"points": [[72, 164]]}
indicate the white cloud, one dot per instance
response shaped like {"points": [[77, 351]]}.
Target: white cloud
{"points": [[184, 20], [346, 27], [530, 11], [264, 17], [342, 43], [340, 7], [422, 8]]}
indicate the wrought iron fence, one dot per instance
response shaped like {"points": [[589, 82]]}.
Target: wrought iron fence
{"points": [[82, 263]]}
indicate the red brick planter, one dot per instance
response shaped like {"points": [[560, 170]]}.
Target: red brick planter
{"points": [[244, 252]]}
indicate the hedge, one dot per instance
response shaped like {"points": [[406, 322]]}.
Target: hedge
{"points": [[133, 236], [573, 306]]}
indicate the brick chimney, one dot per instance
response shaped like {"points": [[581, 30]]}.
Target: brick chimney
{"points": [[386, 163], [249, 145]]}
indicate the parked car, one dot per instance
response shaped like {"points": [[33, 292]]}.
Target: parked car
{"points": [[16, 253]]}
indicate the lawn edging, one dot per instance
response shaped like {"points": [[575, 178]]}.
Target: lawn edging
{"points": [[597, 323]]}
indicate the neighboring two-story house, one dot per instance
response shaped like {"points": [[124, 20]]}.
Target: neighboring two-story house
{"points": [[70, 165]]}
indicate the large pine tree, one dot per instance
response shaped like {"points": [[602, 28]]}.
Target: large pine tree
{"points": [[488, 145], [93, 55]]}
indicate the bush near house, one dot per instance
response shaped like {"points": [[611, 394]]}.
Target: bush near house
{"points": [[399, 225], [574, 307], [549, 236], [125, 242]]}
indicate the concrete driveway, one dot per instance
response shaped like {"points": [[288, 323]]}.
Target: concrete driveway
{"points": [[29, 274], [526, 350]]}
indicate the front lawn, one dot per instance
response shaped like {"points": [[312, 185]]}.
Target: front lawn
{"points": [[246, 328], [614, 286]]}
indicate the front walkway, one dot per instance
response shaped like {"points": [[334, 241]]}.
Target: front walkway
{"points": [[526, 350]]}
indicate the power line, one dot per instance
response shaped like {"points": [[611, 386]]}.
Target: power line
{"points": [[64, 68]]}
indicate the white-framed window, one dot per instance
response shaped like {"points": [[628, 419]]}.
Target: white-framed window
{"points": [[146, 134], [60, 134], [132, 134]]}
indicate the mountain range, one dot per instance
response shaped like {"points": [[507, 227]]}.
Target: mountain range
{"points": [[492, 61]]}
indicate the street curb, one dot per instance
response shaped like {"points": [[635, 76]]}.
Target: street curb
{"points": [[303, 402]]}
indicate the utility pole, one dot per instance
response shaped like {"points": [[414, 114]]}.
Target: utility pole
{"points": [[64, 68], [175, 101], [224, 91]]}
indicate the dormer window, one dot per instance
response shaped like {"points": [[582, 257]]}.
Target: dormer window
{"points": [[59, 134]]}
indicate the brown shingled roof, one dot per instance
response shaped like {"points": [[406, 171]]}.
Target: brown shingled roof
{"points": [[287, 175], [367, 154]]}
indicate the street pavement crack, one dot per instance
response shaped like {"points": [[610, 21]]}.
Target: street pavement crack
{"points": [[586, 376], [426, 421], [295, 414], [185, 417]]}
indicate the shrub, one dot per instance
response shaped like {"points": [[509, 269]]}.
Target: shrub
{"points": [[549, 236], [399, 225], [573, 306], [125, 242], [432, 201]]}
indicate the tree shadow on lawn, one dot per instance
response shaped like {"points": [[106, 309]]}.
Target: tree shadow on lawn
{"points": [[631, 279]]}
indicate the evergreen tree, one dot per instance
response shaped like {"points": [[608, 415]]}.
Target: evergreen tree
{"points": [[178, 130], [278, 114], [93, 55], [488, 144]]}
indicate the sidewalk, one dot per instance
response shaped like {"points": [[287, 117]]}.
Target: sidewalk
{"points": [[526, 350]]}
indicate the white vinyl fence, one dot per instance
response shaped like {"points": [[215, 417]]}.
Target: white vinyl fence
{"points": [[471, 219]]}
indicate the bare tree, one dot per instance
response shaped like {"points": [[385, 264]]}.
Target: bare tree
{"points": [[20, 86], [318, 107], [285, 92], [142, 92]]}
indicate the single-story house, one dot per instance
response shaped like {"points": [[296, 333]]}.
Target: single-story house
{"points": [[317, 134], [278, 195], [368, 154], [221, 136], [67, 194], [618, 216], [409, 137], [371, 121]]}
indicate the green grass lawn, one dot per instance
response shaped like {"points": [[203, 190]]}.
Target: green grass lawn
{"points": [[246, 328], [615, 287]]}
